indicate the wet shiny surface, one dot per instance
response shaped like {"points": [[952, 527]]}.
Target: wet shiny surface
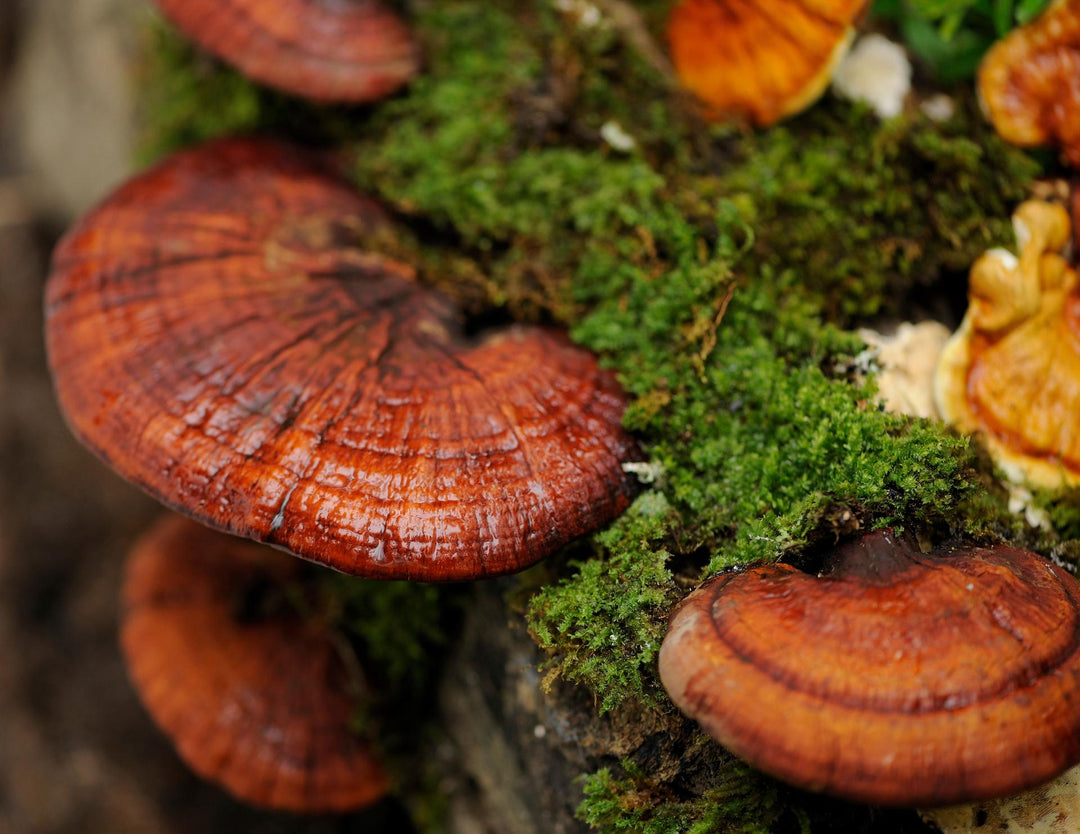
{"points": [[895, 677], [217, 336]]}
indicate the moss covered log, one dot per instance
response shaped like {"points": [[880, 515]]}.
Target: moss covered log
{"points": [[546, 171]]}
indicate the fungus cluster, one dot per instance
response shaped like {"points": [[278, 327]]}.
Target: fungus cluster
{"points": [[892, 676], [221, 333], [225, 332], [1011, 373]]}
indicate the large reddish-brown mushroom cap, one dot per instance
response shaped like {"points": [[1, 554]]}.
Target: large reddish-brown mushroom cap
{"points": [[895, 677], [759, 59], [217, 337], [1029, 82], [257, 702], [325, 50]]}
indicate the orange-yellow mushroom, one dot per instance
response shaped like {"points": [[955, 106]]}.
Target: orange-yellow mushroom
{"points": [[760, 60], [1029, 82], [1012, 370]]}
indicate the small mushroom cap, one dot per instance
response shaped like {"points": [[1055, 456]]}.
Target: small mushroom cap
{"points": [[1029, 82], [895, 677], [257, 703], [1011, 372], [349, 51], [759, 59], [218, 337]]}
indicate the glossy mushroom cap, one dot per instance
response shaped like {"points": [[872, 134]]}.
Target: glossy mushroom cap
{"points": [[1011, 372], [218, 336], [256, 702], [1029, 82], [348, 51], [761, 60], [894, 677]]}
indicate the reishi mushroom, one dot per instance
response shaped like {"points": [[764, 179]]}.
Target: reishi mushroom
{"points": [[218, 336], [759, 59], [1011, 372], [893, 677], [1029, 82], [349, 51], [254, 698]]}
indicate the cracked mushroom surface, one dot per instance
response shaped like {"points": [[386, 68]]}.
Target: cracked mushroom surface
{"points": [[892, 676], [349, 51], [1011, 372], [253, 697], [1029, 82], [219, 336], [759, 59]]}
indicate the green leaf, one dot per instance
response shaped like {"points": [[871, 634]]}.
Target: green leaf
{"points": [[1003, 16], [1028, 10]]}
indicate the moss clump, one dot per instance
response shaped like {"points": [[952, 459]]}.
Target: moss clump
{"points": [[393, 636], [440, 148], [1062, 510], [739, 801], [478, 153], [735, 390], [743, 803], [614, 607], [398, 626], [860, 212]]}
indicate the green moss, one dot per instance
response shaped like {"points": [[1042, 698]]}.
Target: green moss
{"points": [[443, 145], [188, 97], [606, 623], [393, 638], [462, 148], [1062, 510], [740, 800], [861, 211], [398, 625], [742, 803]]}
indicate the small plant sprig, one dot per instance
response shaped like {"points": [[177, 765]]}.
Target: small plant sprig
{"points": [[950, 36]]}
